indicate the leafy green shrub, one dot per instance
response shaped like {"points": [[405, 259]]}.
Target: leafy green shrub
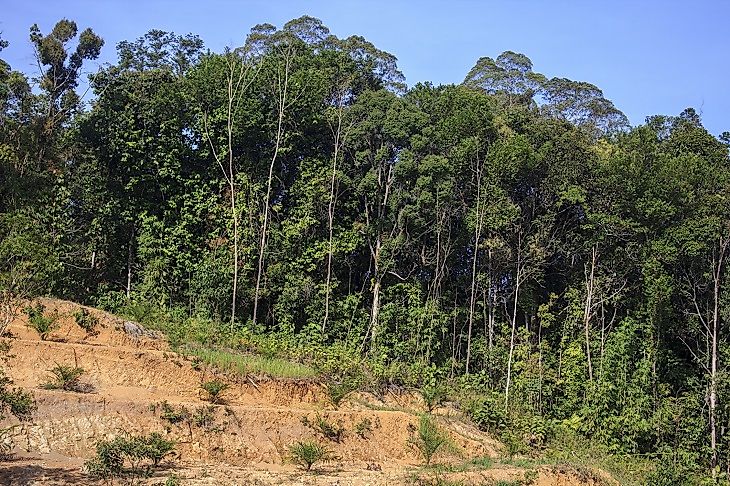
{"points": [[137, 311], [86, 321], [15, 401], [531, 476], [214, 390], [428, 438], [487, 415], [536, 430], [108, 464], [433, 395], [196, 363], [513, 444], [332, 431], [337, 390], [668, 472], [156, 447], [364, 427], [308, 453], [172, 480], [64, 377], [173, 415], [42, 324], [128, 457]]}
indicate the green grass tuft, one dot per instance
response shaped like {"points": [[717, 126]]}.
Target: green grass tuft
{"points": [[247, 364]]}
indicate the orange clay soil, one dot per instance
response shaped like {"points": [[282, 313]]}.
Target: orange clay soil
{"points": [[243, 441]]}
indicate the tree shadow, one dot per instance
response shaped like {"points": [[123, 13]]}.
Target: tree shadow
{"points": [[18, 472]]}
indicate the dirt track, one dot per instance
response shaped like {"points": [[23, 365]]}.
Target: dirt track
{"points": [[245, 439]]}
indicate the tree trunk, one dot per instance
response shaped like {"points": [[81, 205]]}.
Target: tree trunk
{"points": [[232, 188], [375, 310], [331, 214], [518, 282], [237, 85], [375, 313], [130, 262], [454, 340], [282, 89], [587, 310], [234, 217], [714, 340], [472, 298]]}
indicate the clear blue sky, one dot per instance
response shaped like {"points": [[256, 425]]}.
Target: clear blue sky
{"points": [[649, 57]]}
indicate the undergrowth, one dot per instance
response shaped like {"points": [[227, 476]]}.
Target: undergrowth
{"points": [[529, 439]]}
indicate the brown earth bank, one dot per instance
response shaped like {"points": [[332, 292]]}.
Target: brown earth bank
{"points": [[131, 376]]}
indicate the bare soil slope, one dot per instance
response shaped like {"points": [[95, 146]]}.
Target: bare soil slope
{"points": [[130, 373]]}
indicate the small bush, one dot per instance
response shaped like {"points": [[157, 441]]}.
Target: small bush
{"points": [[308, 453], [172, 480], [171, 414], [513, 444], [433, 395], [364, 427], [214, 390], [337, 390], [128, 457], [44, 325], [204, 417], [428, 439], [86, 321], [531, 477], [156, 447], [332, 431], [487, 415], [536, 431], [64, 377], [16, 401]]}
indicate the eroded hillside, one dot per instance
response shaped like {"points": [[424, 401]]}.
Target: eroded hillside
{"points": [[132, 383]]}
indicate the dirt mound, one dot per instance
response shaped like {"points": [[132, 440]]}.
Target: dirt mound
{"points": [[135, 384]]}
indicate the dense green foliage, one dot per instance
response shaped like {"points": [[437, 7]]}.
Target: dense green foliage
{"points": [[511, 236]]}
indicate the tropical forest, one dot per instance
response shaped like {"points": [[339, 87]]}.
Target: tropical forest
{"points": [[281, 259]]}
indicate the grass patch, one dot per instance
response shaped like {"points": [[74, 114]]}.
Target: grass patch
{"points": [[572, 453], [383, 408], [247, 364]]}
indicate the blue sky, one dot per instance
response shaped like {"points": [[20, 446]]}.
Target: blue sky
{"points": [[649, 57]]}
